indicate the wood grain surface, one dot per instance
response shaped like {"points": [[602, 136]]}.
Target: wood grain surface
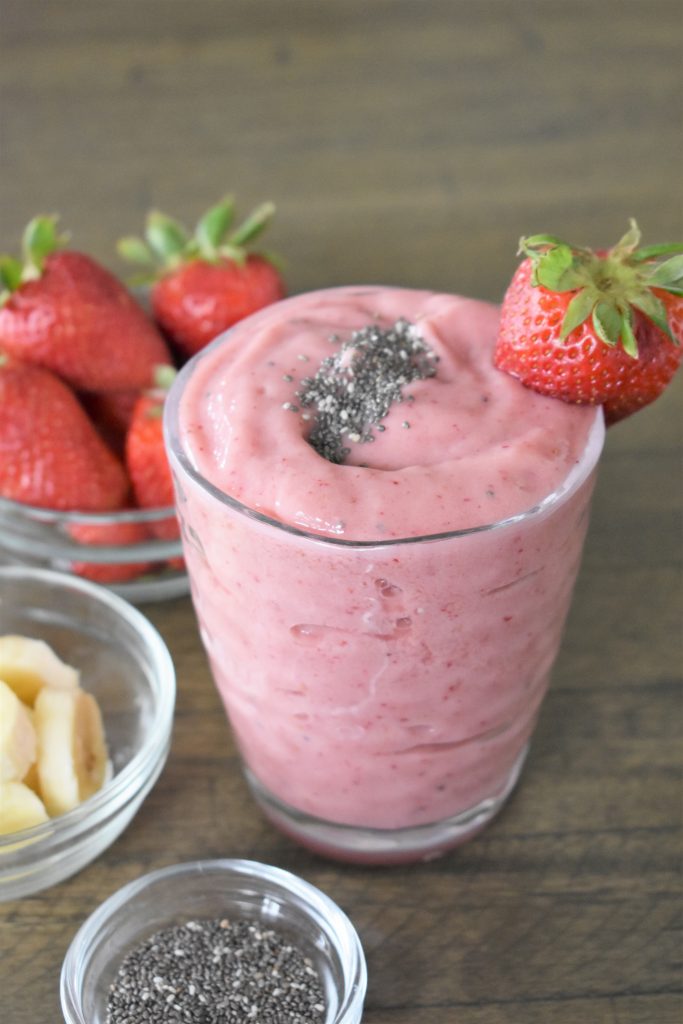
{"points": [[413, 143]]}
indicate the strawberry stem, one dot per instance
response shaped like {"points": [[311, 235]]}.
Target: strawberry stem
{"points": [[164, 376], [40, 238], [213, 226], [608, 288], [168, 245]]}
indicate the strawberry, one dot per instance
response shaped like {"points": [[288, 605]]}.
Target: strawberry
{"points": [[65, 312], [111, 412], [594, 327], [116, 535], [208, 281], [146, 459], [50, 453]]}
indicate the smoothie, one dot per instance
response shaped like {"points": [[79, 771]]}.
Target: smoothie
{"points": [[381, 628]]}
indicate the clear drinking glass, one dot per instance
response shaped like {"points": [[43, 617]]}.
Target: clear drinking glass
{"points": [[382, 694]]}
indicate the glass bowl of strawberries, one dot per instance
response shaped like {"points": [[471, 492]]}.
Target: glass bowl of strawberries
{"points": [[85, 485], [84, 482]]}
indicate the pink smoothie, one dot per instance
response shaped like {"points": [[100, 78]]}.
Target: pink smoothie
{"points": [[376, 672]]}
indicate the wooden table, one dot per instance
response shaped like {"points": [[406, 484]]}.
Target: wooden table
{"points": [[406, 143]]}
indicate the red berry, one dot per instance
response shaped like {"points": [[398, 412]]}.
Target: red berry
{"points": [[198, 301], [52, 456], [205, 282], [656, 364], [147, 463], [598, 328], [75, 318]]}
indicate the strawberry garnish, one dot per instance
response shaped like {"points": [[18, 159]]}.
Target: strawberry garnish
{"points": [[63, 311], [146, 459], [594, 327], [51, 454], [205, 282]]}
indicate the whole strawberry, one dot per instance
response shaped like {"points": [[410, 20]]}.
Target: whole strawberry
{"points": [[52, 456], [603, 328], [207, 282], [146, 460], [65, 312]]}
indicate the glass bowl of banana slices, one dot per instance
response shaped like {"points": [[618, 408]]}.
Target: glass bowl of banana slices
{"points": [[87, 694]]}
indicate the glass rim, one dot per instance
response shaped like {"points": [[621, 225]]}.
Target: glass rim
{"points": [[576, 476]]}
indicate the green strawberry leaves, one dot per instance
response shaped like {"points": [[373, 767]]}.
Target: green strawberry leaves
{"points": [[556, 270], [668, 275], [134, 250], [606, 323], [609, 287], [166, 237], [252, 226], [578, 310], [40, 238], [213, 226], [11, 271], [167, 244]]}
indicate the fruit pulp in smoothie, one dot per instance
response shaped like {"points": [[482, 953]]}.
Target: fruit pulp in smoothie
{"points": [[381, 630]]}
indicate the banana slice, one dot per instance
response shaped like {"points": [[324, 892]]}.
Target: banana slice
{"points": [[31, 779], [27, 665], [17, 736], [19, 808], [72, 750]]}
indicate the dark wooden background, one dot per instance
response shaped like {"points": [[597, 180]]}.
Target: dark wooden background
{"points": [[405, 142]]}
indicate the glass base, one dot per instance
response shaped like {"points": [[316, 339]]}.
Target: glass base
{"points": [[382, 846]]}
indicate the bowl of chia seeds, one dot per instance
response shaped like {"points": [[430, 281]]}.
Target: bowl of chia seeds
{"points": [[215, 942]]}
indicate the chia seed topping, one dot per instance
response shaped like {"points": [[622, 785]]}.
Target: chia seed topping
{"points": [[354, 389], [216, 972]]}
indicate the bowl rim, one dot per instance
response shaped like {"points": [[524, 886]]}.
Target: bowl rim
{"points": [[341, 929], [117, 791], [80, 516], [50, 534]]}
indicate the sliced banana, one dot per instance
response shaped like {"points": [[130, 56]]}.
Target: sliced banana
{"points": [[72, 750], [31, 779], [27, 665], [19, 808], [17, 736]]}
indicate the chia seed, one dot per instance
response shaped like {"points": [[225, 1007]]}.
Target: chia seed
{"points": [[354, 389], [216, 972]]}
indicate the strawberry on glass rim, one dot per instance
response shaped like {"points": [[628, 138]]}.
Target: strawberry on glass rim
{"points": [[204, 283], [601, 328]]}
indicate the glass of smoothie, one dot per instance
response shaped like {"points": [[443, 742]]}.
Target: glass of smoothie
{"points": [[382, 533]]}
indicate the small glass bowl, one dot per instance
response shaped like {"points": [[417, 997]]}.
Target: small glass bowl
{"points": [[235, 889], [150, 569], [124, 662]]}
